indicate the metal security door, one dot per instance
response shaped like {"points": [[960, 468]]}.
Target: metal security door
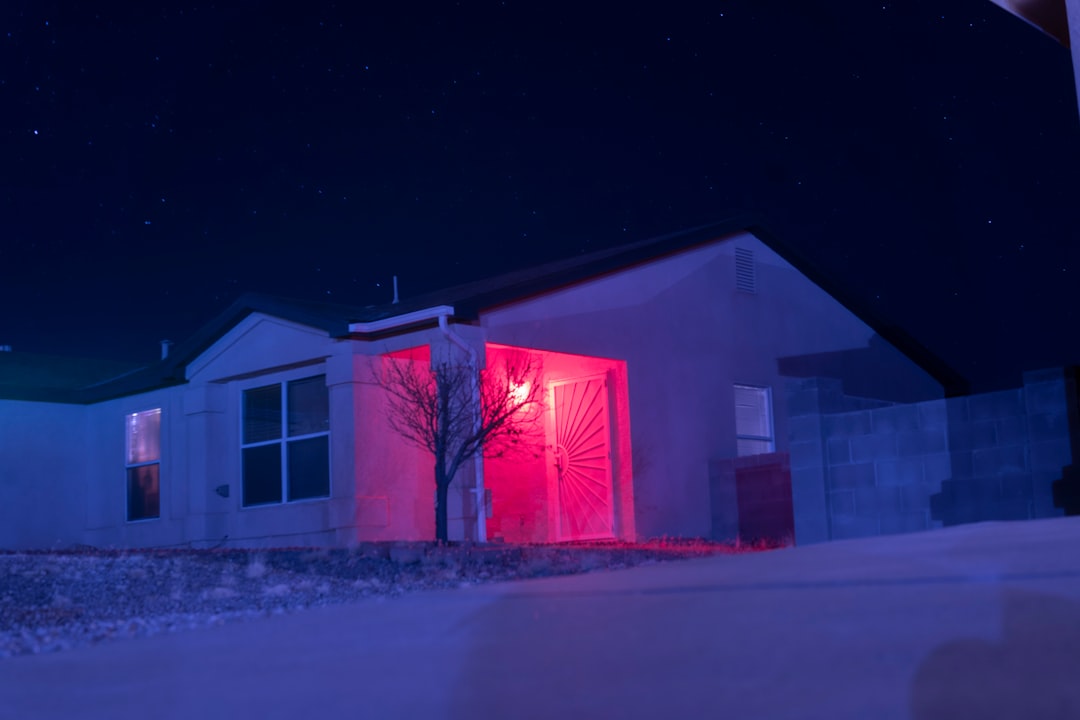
{"points": [[583, 459]]}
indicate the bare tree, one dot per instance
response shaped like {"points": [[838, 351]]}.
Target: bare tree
{"points": [[454, 413]]}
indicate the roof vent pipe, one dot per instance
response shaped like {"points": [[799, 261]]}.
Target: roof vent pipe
{"points": [[165, 345], [395, 290]]}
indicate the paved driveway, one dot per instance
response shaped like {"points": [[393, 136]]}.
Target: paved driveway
{"points": [[979, 621]]}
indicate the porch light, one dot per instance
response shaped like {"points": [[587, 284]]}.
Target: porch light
{"points": [[520, 392]]}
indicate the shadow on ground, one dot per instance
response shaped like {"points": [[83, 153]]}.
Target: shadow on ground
{"points": [[1033, 672]]}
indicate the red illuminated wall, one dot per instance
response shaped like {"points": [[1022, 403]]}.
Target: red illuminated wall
{"points": [[395, 481], [524, 490], [397, 484]]}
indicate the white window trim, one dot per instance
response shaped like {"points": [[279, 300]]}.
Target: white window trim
{"points": [[771, 438], [129, 466], [282, 380]]}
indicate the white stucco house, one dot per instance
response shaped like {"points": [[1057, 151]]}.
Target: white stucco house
{"points": [[265, 429]]}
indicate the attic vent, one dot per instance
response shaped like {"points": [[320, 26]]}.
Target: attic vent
{"points": [[745, 277]]}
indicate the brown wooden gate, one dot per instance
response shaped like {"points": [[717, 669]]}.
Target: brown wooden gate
{"points": [[763, 487]]}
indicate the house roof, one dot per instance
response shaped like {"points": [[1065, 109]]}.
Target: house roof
{"points": [[75, 382], [51, 378]]}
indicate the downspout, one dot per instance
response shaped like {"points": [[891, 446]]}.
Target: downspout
{"points": [[478, 460]]}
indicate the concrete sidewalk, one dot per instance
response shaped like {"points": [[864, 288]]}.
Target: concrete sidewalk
{"points": [[979, 621]]}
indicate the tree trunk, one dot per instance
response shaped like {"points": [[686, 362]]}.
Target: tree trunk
{"points": [[442, 484]]}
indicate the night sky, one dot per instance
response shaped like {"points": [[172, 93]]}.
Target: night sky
{"points": [[159, 160]]}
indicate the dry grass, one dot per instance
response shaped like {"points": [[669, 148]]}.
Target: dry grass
{"points": [[55, 600]]}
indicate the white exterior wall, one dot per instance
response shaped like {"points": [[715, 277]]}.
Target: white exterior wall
{"points": [[201, 449], [104, 517], [42, 474], [687, 337], [63, 471]]}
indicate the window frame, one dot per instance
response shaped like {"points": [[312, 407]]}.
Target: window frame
{"points": [[129, 466], [284, 439], [769, 419]]}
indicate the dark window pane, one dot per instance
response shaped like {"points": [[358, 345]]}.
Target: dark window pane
{"points": [[309, 468], [262, 474], [309, 406], [262, 414], [143, 492]]}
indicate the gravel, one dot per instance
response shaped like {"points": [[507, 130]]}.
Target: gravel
{"points": [[54, 601]]}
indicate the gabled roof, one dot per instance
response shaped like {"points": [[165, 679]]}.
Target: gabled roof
{"points": [[468, 300]]}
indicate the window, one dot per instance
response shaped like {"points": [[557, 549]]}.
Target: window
{"points": [[286, 442], [144, 465], [753, 420]]}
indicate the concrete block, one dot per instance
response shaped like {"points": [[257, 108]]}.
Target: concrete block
{"points": [[933, 415], [849, 528], [936, 467], [806, 455], [797, 384], [809, 507], [839, 451], [991, 406], [972, 435], [1042, 480], [1016, 487], [920, 442], [803, 402], [957, 410], [878, 501], [809, 482], [1011, 430], [1045, 397], [1016, 509], [1048, 426], [915, 497], [806, 428], [993, 462], [965, 501], [900, 472], [963, 465], [842, 503], [905, 522], [1050, 455], [1043, 507], [895, 419], [856, 423], [855, 404], [868, 448], [846, 477], [832, 399]]}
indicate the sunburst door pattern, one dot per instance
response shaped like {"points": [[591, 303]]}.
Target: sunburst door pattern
{"points": [[583, 460]]}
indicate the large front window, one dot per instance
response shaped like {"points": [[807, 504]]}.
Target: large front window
{"points": [[286, 442], [143, 432]]}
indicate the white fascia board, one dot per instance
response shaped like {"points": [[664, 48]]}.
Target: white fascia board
{"points": [[417, 316]]}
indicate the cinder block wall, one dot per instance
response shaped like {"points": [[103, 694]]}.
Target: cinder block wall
{"points": [[872, 470]]}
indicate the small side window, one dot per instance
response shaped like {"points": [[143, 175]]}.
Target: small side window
{"points": [[144, 465], [753, 420]]}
